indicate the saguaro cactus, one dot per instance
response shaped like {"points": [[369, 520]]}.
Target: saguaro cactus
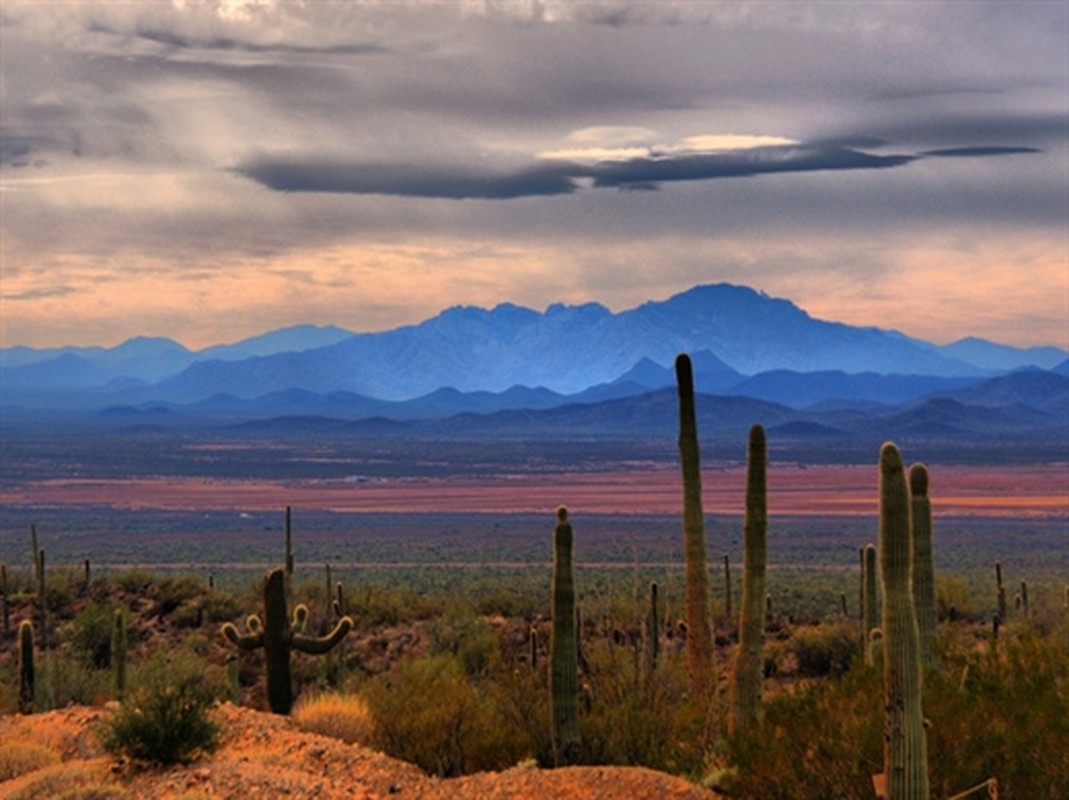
{"points": [[3, 598], [289, 544], [870, 610], [653, 630], [748, 676], [279, 636], [905, 748], [564, 649], [699, 631], [923, 564], [1000, 591], [42, 597], [340, 612], [26, 673], [119, 644]]}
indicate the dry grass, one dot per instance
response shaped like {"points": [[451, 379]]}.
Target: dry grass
{"points": [[341, 716], [18, 758], [68, 781]]}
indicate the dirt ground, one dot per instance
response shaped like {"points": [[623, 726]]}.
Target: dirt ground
{"points": [[1020, 491], [265, 756]]}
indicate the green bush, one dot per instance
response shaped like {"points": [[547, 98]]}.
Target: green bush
{"points": [[165, 719], [824, 649], [471, 639], [427, 712], [90, 634]]}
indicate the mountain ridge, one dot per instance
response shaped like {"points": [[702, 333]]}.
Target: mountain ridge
{"points": [[567, 349]]}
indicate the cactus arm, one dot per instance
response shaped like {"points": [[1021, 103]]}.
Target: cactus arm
{"points": [[300, 618], [318, 645], [245, 641]]}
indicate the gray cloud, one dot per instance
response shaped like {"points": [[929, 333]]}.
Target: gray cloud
{"points": [[562, 177], [194, 136]]}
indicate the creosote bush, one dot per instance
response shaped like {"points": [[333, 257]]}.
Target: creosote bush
{"points": [[429, 713], [164, 720]]}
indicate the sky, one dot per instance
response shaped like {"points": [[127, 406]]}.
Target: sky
{"points": [[208, 170]]}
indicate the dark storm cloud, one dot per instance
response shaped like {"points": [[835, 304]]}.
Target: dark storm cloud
{"points": [[954, 152], [555, 177], [407, 180], [979, 130], [740, 164]]}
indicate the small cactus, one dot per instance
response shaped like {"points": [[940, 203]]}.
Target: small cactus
{"points": [[26, 670], [233, 684], [564, 649], [905, 745], [653, 631], [3, 598], [1000, 591], [699, 630], [279, 636], [119, 646], [42, 597], [340, 612]]}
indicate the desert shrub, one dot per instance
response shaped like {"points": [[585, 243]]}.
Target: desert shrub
{"points": [[427, 712], [170, 593], [386, 606], [1004, 713], [341, 716], [165, 718], [824, 649], [90, 634], [821, 739], [64, 679], [220, 606], [632, 717], [71, 781], [133, 581], [19, 758], [471, 639], [952, 597]]}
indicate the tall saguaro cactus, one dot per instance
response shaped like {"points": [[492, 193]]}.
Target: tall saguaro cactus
{"points": [[653, 631], [279, 636], [699, 631], [564, 649], [923, 562], [905, 748], [289, 545], [748, 676]]}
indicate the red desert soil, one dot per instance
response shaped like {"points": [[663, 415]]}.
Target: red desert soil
{"points": [[1039, 491], [265, 755]]}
